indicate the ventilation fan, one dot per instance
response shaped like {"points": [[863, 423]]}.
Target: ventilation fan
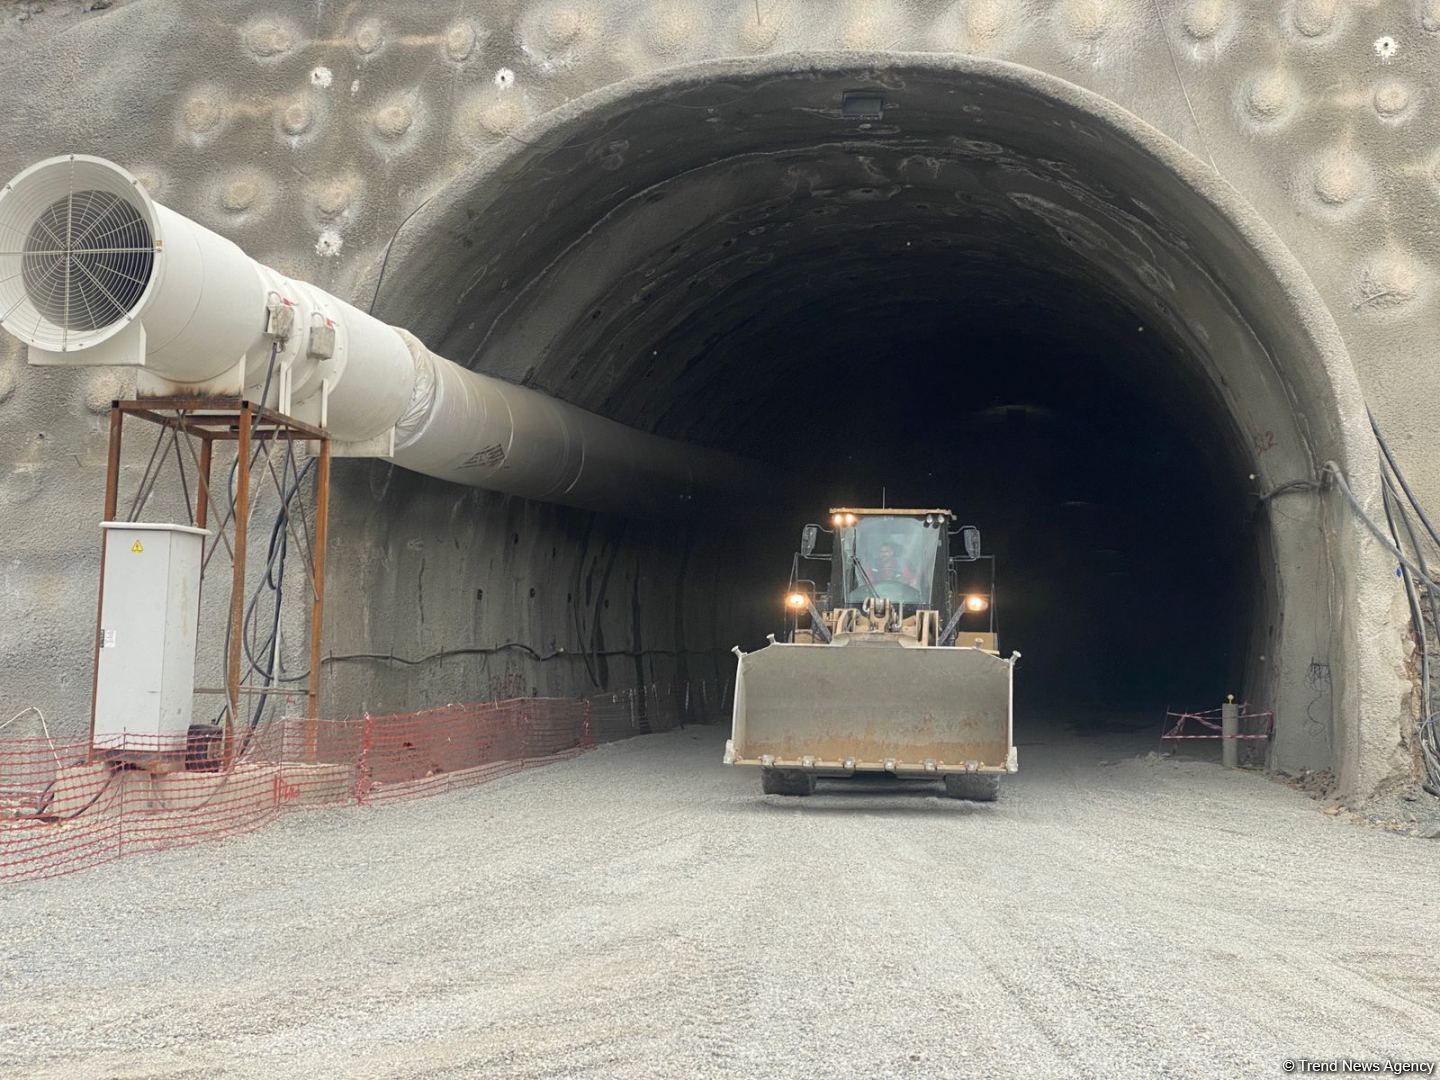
{"points": [[78, 253]]}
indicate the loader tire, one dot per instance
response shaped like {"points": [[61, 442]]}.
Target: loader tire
{"points": [[977, 787], [787, 782]]}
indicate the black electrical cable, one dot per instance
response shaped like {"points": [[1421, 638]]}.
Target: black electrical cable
{"points": [[1429, 735], [1432, 602], [1288, 488], [509, 646], [279, 541], [1430, 723], [1429, 745], [580, 633], [274, 580], [1369, 522], [234, 473], [1388, 459], [93, 800], [1416, 619], [1395, 468], [385, 260]]}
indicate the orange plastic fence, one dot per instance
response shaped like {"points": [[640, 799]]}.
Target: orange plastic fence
{"points": [[65, 807]]}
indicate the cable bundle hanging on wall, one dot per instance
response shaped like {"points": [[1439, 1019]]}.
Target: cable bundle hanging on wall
{"points": [[1427, 632], [273, 582], [1402, 506]]}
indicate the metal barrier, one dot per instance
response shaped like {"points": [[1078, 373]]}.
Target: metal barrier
{"points": [[65, 807]]}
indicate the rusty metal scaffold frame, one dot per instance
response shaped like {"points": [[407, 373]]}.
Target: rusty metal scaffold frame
{"points": [[254, 429]]}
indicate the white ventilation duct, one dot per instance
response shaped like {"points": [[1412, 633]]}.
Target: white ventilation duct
{"points": [[94, 272]]}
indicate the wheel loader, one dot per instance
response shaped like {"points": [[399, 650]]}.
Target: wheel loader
{"points": [[890, 668]]}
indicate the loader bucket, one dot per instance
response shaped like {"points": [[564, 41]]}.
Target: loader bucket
{"points": [[839, 709]]}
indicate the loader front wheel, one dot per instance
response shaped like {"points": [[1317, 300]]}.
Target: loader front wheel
{"points": [[787, 782], [977, 787]]}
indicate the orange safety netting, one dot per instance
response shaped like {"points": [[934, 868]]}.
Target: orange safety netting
{"points": [[65, 807]]}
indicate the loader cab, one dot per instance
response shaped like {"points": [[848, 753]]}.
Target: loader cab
{"points": [[900, 557], [912, 559]]}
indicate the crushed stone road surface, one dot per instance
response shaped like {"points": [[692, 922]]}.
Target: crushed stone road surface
{"points": [[644, 911]]}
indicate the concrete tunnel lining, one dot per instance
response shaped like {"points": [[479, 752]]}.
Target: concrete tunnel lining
{"points": [[632, 225]]}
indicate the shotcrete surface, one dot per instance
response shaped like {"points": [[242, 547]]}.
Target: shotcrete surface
{"points": [[645, 912], [310, 134]]}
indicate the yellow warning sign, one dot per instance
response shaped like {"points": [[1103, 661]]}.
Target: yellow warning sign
{"points": [[138, 548]]}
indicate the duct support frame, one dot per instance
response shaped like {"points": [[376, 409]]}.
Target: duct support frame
{"points": [[251, 427]]}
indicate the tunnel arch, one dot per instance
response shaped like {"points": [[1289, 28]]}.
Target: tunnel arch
{"points": [[647, 250]]}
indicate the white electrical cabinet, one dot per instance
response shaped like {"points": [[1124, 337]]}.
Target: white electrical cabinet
{"points": [[149, 614]]}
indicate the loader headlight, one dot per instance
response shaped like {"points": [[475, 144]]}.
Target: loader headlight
{"points": [[795, 601], [975, 603], [840, 521]]}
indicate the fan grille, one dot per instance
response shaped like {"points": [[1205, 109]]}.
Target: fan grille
{"points": [[87, 260]]}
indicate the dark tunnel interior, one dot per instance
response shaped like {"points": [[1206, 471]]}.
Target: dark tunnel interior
{"points": [[1100, 477], [993, 304]]}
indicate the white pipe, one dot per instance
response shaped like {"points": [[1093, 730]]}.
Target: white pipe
{"points": [[478, 430], [93, 271]]}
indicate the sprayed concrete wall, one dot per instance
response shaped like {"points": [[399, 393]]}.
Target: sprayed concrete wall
{"points": [[310, 134]]}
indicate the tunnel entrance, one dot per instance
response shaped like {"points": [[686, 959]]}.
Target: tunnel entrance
{"points": [[959, 283]]}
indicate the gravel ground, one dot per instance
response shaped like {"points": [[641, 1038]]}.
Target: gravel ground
{"points": [[645, 912]]}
